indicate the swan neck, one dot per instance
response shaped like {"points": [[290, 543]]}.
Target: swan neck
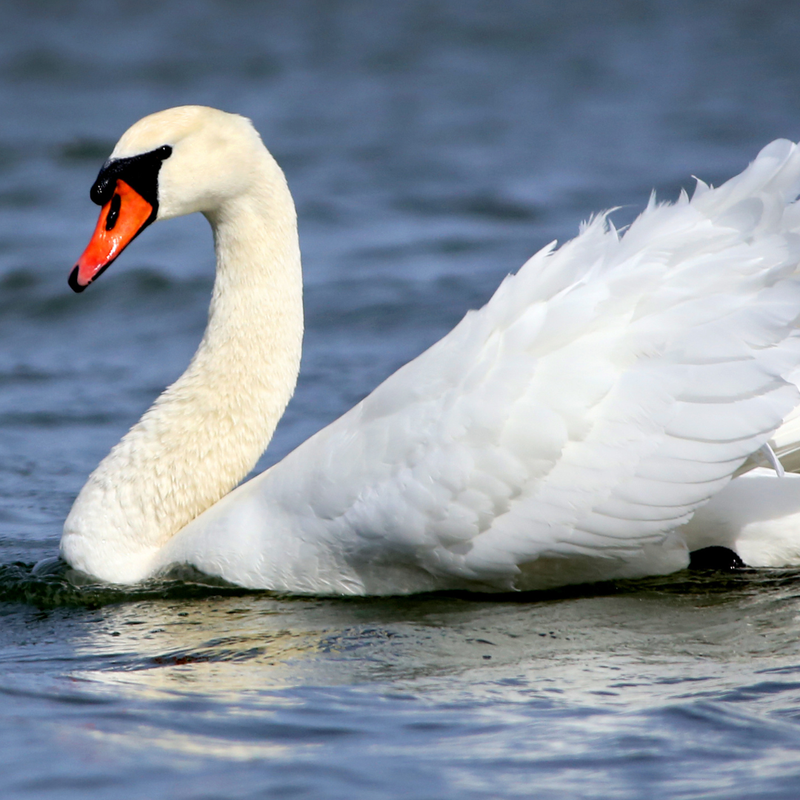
{"points": [[208, 429]]}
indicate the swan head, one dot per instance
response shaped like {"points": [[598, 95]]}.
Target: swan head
{"points": [[171, 163]]}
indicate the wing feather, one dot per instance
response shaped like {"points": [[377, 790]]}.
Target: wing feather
{"points": [[604, 393]]}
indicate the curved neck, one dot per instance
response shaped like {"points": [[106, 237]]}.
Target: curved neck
{"points": [[208, 429]]}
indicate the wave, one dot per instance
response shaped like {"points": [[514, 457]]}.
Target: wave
{"points": [[52, 583]]}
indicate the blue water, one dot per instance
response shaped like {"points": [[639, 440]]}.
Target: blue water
{"points": [[431, 148]]}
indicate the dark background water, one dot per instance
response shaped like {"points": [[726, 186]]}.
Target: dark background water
{"points": [[431, 148]]}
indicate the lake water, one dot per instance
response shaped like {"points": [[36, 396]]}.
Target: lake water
{"points": [[431, 148]]}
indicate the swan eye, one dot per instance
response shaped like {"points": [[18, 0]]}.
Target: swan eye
{"points": [[165, 151]]}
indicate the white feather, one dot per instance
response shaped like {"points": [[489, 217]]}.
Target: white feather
{"points": [[563, 433]]}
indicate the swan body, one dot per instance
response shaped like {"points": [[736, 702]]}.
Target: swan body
{"points": [[566, 432]]}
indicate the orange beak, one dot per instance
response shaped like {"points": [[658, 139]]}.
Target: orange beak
{"points": [[122, 218]]}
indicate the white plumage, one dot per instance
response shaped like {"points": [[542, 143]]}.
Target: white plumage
{"points": [[563, 433]]}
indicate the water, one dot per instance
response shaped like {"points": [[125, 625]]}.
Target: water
{"points": [[431, 147]]}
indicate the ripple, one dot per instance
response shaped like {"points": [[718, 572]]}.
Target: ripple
{"points": [[52, 583]]}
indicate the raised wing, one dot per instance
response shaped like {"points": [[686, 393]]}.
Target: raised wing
{"points": [[563, 431]]}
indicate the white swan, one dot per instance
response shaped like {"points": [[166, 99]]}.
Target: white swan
{"points": [[563, 433]]}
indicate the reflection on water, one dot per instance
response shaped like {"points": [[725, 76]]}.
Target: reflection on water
{"points": [[230, 645], [701, 668], [234, 677]]}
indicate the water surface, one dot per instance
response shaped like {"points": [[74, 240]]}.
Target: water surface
{"points": [[431, 148]]}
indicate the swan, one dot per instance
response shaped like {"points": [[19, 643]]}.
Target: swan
{"points": [[566, 432]]}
